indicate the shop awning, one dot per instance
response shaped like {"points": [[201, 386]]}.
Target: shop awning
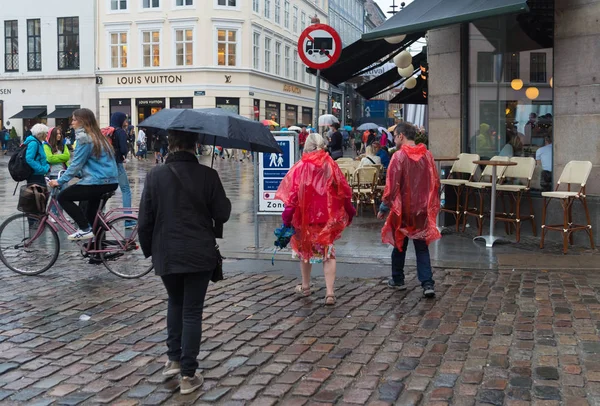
{"points": [[389, 79], [30, 112], [412, 96], [423, 15], [360, 56], [63, 112]]}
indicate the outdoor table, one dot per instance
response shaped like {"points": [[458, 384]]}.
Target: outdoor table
{"points": [[439, 161], [491, 239]]}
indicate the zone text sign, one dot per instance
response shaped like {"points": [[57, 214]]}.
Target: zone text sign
{"points": [[319, 46], [272, 169]]}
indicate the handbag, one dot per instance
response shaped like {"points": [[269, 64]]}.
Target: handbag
{"points": [[218, 272], [337, 154], [32, 199]]}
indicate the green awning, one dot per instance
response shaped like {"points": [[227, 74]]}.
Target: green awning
{"points": [[423, 15]]}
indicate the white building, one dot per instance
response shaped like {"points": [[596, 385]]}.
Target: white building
{"points": [[234, 54], [48, 61]]}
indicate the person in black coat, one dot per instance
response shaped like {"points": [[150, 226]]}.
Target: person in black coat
{"points": [[335, 145], [182, 212]]}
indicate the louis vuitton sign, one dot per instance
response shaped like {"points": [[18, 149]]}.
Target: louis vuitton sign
{"points": [[149, 79]]}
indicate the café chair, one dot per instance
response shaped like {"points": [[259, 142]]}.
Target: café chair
{"points": [[576, 173], [364, 185], [481, 188], [347, 172], [342, 161], [523, 172], [464, 166]]}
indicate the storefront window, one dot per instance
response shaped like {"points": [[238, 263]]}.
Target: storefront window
{"points": [[229, 103], [272, 110], [307, 115], [256, 110], [291, 115], [510, 94]]}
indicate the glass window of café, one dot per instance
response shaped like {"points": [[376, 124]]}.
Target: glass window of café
{"points": [[510, 99], [291, 115]]}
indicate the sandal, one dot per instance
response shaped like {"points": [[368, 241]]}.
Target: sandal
{"points": [[303, 291], [329, 300]]}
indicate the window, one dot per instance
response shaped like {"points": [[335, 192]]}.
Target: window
{"points": [[11, 46], [256, 6], [511, 66], [286, 14], [278, 58], [151, 3], [255, 50], [302, 72], [68, 43], [118, 5], [118, 50], [295, 65], [277, 11], [181, 3], [537, 67], [226, 47], [34, 45], [227, 3], [268, 9], [485, 67], [267, 54], [150, 48], [303, 21], [287, 61], [184, 47], [295, 22]]}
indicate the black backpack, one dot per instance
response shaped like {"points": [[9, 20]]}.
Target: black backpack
{"points": [[18, 167]]}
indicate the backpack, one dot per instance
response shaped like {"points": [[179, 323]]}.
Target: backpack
{"points": [[18, 167], [109, 133]]}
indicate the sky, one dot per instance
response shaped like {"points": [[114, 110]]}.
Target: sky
{"points": [[385, 5]]}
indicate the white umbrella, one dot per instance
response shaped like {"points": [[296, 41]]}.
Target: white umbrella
{"points": [[294, 128], [368, 126], [328, 119]]}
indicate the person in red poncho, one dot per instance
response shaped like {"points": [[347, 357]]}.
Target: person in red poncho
{"points": [[411, 198], [318, 205]]}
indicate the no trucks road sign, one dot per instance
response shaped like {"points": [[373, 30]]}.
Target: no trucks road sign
{"points": [[319, 46]]}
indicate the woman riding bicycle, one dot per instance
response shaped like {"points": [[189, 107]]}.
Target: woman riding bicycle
{"points": [[94, 161]]}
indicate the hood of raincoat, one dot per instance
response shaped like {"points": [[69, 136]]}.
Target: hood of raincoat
{"points": [[317, 189], [117, 119], [412, 194]]}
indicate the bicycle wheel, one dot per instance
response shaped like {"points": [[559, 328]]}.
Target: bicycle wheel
{"points": [[21, 254], [124, 255]]}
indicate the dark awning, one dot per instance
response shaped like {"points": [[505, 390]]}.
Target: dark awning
{"points": [[359, 56], [412, 96], [30, 112], [63, 112], [383, 82], [423, 15]]}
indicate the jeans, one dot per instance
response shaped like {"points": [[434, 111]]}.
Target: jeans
{"points": [[423, 263], [89, 193], [124, 185], [184, 317]]}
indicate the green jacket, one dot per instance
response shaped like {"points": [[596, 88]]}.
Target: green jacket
{"points": [[57, 161]]}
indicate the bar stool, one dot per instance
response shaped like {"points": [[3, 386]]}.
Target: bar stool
{"points": [[464, 165], [575, 173], [481, 188]]}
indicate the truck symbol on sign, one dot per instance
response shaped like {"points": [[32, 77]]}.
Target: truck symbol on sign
{"points": [[321, 45]]}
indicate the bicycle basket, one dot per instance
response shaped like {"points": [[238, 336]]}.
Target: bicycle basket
{"points": [[32, 199]]}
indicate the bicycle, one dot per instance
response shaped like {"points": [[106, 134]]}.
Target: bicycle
{"points": [[29, 243]]}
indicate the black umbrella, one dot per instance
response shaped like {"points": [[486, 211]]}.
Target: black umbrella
{"points": [[216, 127]]}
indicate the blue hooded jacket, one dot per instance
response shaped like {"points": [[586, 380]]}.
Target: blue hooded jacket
{"points": [[120, 136], [35, 156]]}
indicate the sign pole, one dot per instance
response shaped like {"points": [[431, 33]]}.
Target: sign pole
{"points": [[317, 100], [256, 204]]}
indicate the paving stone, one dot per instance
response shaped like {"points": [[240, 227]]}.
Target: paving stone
{"points": [[141, 391], [215, 394], [74, 399], [493, 397], [390, 391], [156, 398], [547, 393], [547, 373], [8, 366], [445, 381], [108, 395], [26, 394]]}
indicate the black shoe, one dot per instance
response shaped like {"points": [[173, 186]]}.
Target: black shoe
{"points": [[428, 291], [398, 286]]}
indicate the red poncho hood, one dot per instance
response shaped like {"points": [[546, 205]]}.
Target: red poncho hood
{"points": [[412, 194], [317, 189]]}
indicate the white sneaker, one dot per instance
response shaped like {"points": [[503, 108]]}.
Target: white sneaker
{"points": [[81, 235]]}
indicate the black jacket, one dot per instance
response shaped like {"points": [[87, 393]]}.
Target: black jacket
{"points": [[120, 136], [336, 141], [177, 227]]}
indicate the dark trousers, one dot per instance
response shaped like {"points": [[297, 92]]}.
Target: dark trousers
{"points": [[424, 272], [184, 317], [89, 193]]}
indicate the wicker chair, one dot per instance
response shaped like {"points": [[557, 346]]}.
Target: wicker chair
{"points": [[463, 166], [364, 187]]}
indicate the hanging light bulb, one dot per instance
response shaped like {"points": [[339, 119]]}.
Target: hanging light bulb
{"points": [[532, 93], [551, 82], [406, 72], [516, 84], [395, 40], [410, 83], [403, 59]]}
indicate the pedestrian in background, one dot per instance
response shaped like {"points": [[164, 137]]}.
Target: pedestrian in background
{"points": [[318, 205], [182, 212], [411, 198], [57, 153], [118, 121], [35, 155], [336, 143]]}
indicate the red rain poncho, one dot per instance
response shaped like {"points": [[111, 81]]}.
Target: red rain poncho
{"points": [[317, 189], [412, 195]]}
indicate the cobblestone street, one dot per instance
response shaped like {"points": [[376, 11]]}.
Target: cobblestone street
{"points": [[501, 338]]}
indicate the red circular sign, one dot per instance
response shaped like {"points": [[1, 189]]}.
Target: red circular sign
{"points": [[319, 46]]}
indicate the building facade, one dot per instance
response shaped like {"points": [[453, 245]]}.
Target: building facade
{"points": [[48, 62], [235, 54], [374, 16]]}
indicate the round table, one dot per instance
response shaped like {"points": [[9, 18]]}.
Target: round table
{"points": [[491, 239], [439, 161]]}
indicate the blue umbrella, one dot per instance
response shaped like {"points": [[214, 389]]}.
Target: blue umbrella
{"points": [[348, 128]]}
